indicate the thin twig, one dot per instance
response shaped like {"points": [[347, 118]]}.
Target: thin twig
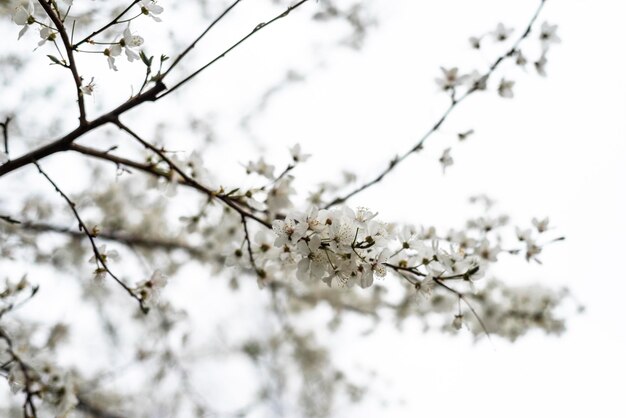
{"points": [[462, 297], [83, 227], [105, 27], [235, 45], [5, 134], [193, 44], [56, 19]]}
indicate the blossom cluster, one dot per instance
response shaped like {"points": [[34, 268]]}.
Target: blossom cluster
{"points": [[346, 247]]}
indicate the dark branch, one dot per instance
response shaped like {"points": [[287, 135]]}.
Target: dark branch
{"points": [[105, 27]]}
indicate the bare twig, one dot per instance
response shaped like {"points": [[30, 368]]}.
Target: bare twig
{"points": [[105, 27], [5, 133], [193, 44], [235, 45]]}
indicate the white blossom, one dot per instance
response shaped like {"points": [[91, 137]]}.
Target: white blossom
{"points": [[541, 224], [505, 89], [46, 34], [150, 8], [457, 323], [475, 42], [502, 33], [297, 155], [548, 35], [540, 65], [261, 168], [105, 256], [150, 289], [23, 16], [450, 79], [446, 159], [127, 43], [89, 88]]}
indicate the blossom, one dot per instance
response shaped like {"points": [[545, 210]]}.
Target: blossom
{"points": [[487, 252], [457, 323], [297, 155], [540, 65], [541, 224], [476, 81], [446, 159], [88, 88], [450, 79], [548, 35], [474, 42], [150, 289], [23, 16], [425, 287], [46, 34], [127, 44], [313, 263], [261, 168], [505, 89], [150, 8], [288, 231], [523, 234], [464, 135], [105, 255], [520, 59], [279, 196], [502, 33]]}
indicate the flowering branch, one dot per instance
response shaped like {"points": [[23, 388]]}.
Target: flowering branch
{"points": [[225, 198], [453, 104]]}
